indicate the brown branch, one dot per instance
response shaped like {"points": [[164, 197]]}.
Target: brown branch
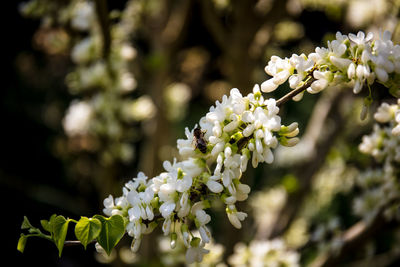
{"points": [[294, 92], [355, 237], [70, 243], [102, 17]]}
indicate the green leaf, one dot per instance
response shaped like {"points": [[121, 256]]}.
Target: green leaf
{"points": [[112, 230], [46, 225], [87, 229], [60, 227], [21, 243], [26, 224]]}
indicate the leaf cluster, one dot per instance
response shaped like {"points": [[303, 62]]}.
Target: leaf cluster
{"points": [[106, 231]]}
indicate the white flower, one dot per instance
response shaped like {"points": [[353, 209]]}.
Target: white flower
{"points": [[83, 51], [360, 38], [356, 57], [166, 227], [234, 216], [322, 81], [195, 252], [184, 205], [396, 129], [269, 86], [77, 119], [213, 185], [185, 146], [108, 205], [384, 113], [264, 253], [83, 15]]}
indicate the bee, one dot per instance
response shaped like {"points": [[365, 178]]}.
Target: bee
{"points": [[198, 138]]}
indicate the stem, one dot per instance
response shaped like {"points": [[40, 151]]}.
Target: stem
{"points": [[102, 16], [73, 243], [294, 92]]}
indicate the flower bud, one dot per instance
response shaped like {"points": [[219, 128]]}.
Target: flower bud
{"points": [[269, 86], [173, 240]]}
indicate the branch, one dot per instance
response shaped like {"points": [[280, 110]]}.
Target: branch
{"points": [[294, 92], [355, 237], [102, 16], [70, 243]]}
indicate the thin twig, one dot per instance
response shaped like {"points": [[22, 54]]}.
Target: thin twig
{"points": [[294, 92], [70, 243]]}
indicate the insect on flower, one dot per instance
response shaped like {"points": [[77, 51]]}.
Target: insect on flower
{"points": [[198, 138]]}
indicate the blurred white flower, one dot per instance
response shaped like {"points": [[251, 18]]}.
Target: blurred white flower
{"points": [[83, 15], [141, 108], [77, 118], [264, 253]]}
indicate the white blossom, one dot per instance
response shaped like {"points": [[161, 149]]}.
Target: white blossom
{"points": [[357, 58], [236, 130], [77, 119], [264, 253]]}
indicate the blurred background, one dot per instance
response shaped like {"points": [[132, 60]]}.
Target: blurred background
{"points": [[96, 91]]}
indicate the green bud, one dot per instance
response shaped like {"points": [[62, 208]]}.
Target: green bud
{"points": [[195, 242], [155, 202], [205, 176], [246, 152], [223, 197], [197, 223], [184, 228], [175, 196], [234, 148], [225, 136], [200, 162], [173, 240], [206, 204]]}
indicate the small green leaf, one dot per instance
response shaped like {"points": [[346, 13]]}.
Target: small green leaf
{"points": [[59, 230], [87, 229], [21, 243], [112, 231], [26, 224], [46, 225]]}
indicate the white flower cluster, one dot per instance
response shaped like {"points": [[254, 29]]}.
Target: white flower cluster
{"points": [[327, 235], [357, 58], [103, 67], [234, 131], [176, 256], [384, 142], [380, 185], [264, 253]]}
